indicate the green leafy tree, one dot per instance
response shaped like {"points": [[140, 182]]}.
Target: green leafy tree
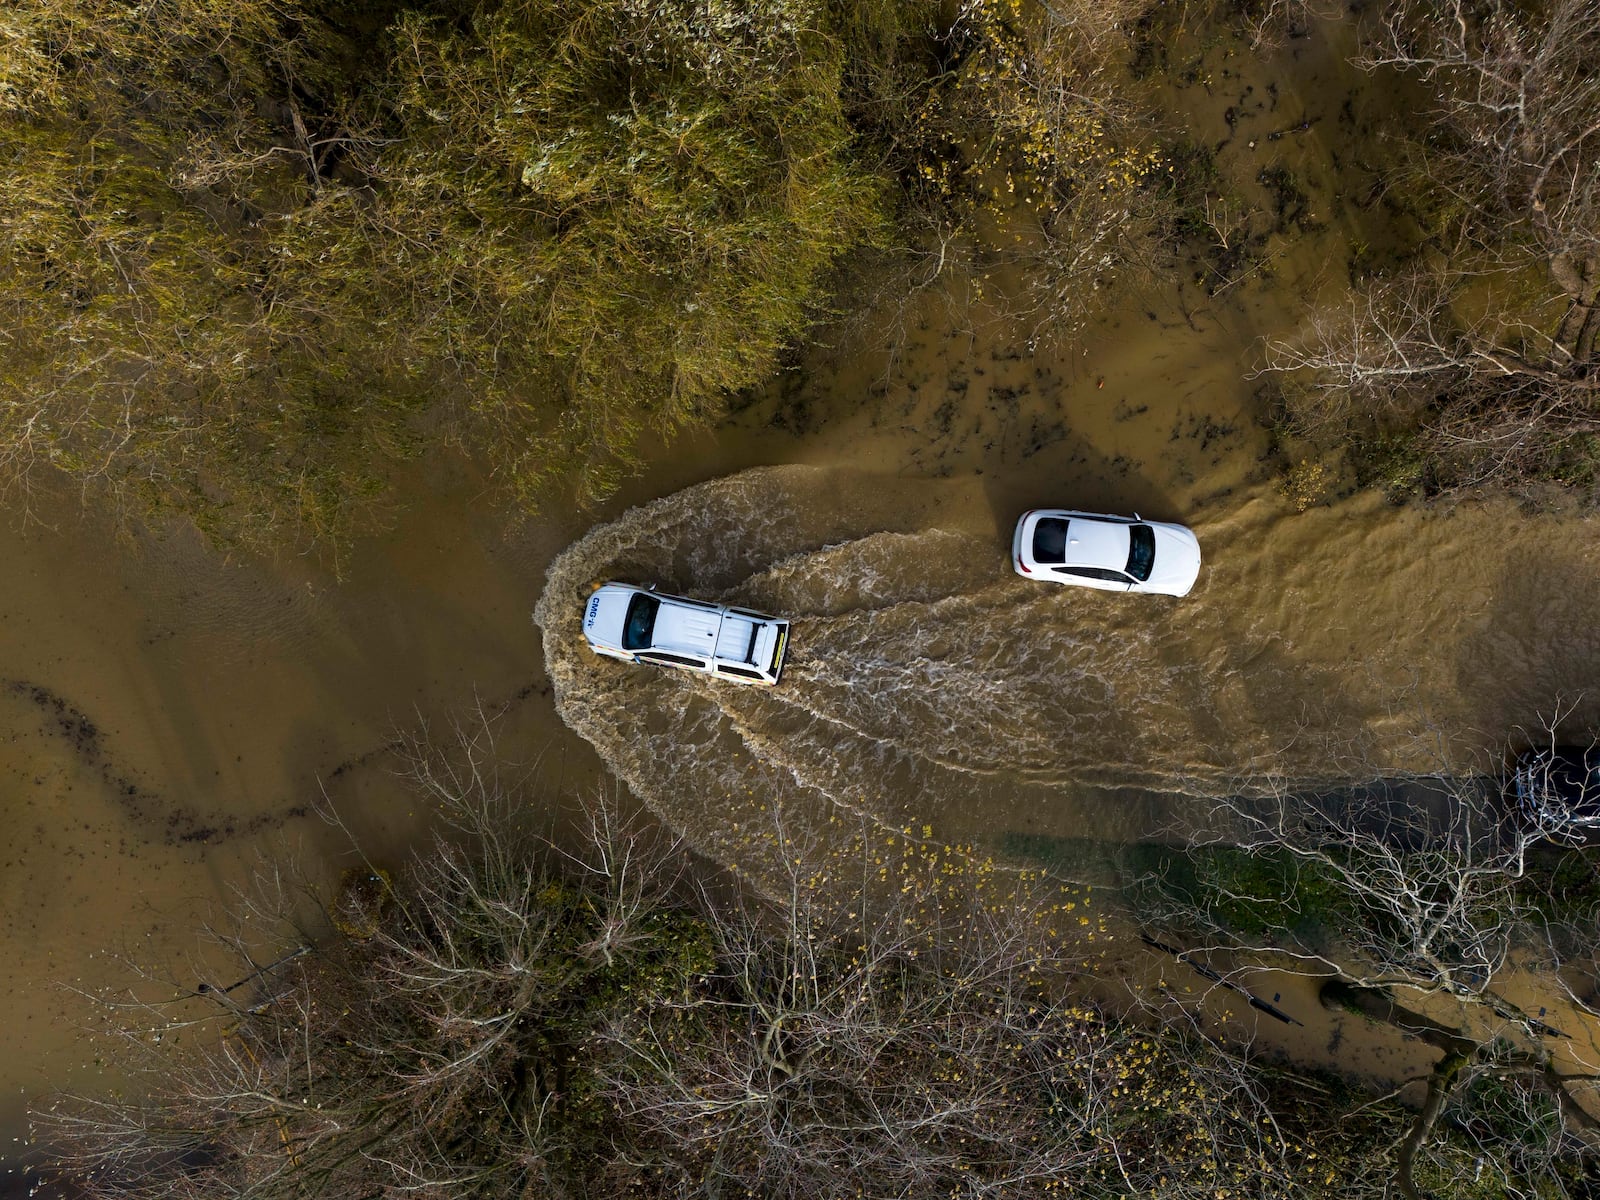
{"points": [[644, 193], [258, 253], [255, 254]]}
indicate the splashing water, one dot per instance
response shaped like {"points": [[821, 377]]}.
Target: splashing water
{"points": [[928, 685]]}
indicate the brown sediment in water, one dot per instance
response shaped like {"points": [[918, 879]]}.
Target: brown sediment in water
{"points": [[169, 714]]}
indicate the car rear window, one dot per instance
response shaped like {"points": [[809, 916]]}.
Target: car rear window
{"points": [[641, 622], [1050, 540], [1141, 551]]}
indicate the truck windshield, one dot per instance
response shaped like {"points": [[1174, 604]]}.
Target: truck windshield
{"points": [[641, 622], [1141, 551]]}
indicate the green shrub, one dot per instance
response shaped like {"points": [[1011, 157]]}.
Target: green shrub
{"points": [[257, 254]]}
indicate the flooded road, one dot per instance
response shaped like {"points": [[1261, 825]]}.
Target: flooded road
{"points": [[928, 684], [169, 715]]}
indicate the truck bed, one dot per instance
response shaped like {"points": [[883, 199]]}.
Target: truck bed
{"points": [[741, 639], [730, 637], [686, 630]]}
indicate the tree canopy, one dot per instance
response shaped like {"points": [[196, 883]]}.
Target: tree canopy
{"points": [[256, 253]]}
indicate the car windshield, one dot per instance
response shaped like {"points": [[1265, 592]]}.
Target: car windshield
{"points": [[1141, 551], [641, 622], [1050, 540]]}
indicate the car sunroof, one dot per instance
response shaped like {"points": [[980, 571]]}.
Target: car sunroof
{"points": [[1050, 540]]}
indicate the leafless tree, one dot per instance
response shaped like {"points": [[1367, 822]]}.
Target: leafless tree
{"points": [[527, 1018], [1424, 898], [1483, 346], [422, 1060], [915, 1044], [1407, 895], [1494, 399], [1518, 90]]}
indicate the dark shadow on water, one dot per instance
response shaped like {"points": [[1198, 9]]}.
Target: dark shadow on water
{"points": [[1537, 649], [1408, 814], [1072, 473], [20, 1178], [1412, 813]]}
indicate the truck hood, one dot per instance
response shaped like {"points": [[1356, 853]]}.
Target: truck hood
{"points": [[604, 615]]}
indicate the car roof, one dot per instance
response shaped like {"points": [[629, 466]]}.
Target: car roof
{"points": [[1096, 543], [666, 598]]}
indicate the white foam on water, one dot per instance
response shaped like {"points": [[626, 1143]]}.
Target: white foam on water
{"points": [[928, 684], [925, 683]]}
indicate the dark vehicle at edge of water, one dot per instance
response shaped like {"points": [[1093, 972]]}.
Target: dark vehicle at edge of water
{"points": [[1554, 792]]}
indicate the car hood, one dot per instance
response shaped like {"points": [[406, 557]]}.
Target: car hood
{"points": [[604, 614], [1177, 563]]}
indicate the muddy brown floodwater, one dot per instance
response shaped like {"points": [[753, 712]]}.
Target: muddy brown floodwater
{"points": [[169, 715]]}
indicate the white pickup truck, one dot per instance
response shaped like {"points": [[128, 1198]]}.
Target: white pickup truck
{"points": [[646, 626]]}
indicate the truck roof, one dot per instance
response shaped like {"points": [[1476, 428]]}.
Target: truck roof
{"points": [[625, 620]]}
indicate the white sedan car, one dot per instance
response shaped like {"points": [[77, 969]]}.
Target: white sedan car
{"points": [[642, 625], [1114, 554]]}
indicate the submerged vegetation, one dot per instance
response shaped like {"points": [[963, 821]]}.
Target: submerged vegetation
{"points": [[600, 1019], [1471, 361]]}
